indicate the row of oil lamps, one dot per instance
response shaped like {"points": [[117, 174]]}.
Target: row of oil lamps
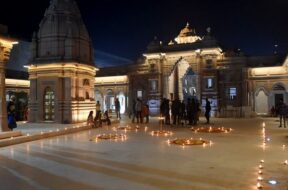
{"points": [[261, 167]]}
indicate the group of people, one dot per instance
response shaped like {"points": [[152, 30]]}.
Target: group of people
{"points": [[140, 111], [182, 112], [99, 118]]}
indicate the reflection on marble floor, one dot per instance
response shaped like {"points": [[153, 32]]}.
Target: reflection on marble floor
{"points": [[147, 162]]}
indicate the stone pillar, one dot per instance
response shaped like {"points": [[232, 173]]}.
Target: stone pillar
{"points": [[5, 48]]}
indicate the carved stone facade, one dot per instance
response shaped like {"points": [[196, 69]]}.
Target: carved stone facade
{"points": [[267, 86], [196, 67], [62, 70], [189, 66]]}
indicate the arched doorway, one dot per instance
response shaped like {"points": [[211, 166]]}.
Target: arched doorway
{"points": [[49, 104], [189, 85], [109, 100], [182, 82], [122, 100], [99, 97], [278, 94], [261, 102]]}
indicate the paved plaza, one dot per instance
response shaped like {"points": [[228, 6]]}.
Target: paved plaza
{"points": [[146, 162]]}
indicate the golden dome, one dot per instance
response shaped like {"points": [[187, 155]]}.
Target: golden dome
{"points": [[187, 31]]}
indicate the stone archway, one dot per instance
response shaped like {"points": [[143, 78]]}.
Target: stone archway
{"points": [[189, 85], [99, 97], [109, 100], [261, 101], [278, 93], [122, 99], [182, 82]]}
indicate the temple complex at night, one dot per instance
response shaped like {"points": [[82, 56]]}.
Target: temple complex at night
{"points": [[181, 111], [61, 85]]}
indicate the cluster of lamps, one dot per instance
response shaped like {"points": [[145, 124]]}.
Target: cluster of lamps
{"points": [[127, 128], [211, 130], [189, 142], [161, 132], [114, 137]]}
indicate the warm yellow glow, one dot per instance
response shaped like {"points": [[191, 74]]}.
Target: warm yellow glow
{"points": [[259, 186], [111, 80], [61, 70], [17, 83], [187, 39], [6, 42], [268, 71]]}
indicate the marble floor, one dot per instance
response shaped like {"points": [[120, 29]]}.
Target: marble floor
{"points": [[145, 162]]}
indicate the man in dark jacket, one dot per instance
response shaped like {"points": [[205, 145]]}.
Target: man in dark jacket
{"points": [[207, 110]]}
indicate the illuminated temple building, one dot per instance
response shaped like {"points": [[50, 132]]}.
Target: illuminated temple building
{"points": [[62, 87]]}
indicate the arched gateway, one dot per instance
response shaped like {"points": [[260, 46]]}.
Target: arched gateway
{"points": [[182, 82]]}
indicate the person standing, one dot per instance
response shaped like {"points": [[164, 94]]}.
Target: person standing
{"points": [[90, 118], [282, 113], [133, 111], [207, 110], [182, 114], [11, 111], [146, 112], [138, 108], [98, 108], [117, 108]]}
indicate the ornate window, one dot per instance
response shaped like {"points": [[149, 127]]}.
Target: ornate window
{"points": [[232, 93], [139, 93], [153, 85], [209, 83], [209, 64], [86, 82], [49, 104], [278, 87]]}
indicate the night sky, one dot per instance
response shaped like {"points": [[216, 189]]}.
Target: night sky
{"points": [[122, 29]]}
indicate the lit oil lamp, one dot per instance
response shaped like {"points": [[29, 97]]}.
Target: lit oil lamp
{"points": [[259, 186]]}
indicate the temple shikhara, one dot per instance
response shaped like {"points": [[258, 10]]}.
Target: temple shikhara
{"points": [[61, 70], [61, 85]]}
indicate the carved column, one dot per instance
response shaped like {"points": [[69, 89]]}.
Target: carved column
{"points": [[5, 48]]}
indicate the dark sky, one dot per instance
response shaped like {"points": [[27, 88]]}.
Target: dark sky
{"points": [[124, 28]]}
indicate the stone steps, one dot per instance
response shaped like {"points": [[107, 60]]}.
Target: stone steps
{"points": [[10, 134], [13, 138]]}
